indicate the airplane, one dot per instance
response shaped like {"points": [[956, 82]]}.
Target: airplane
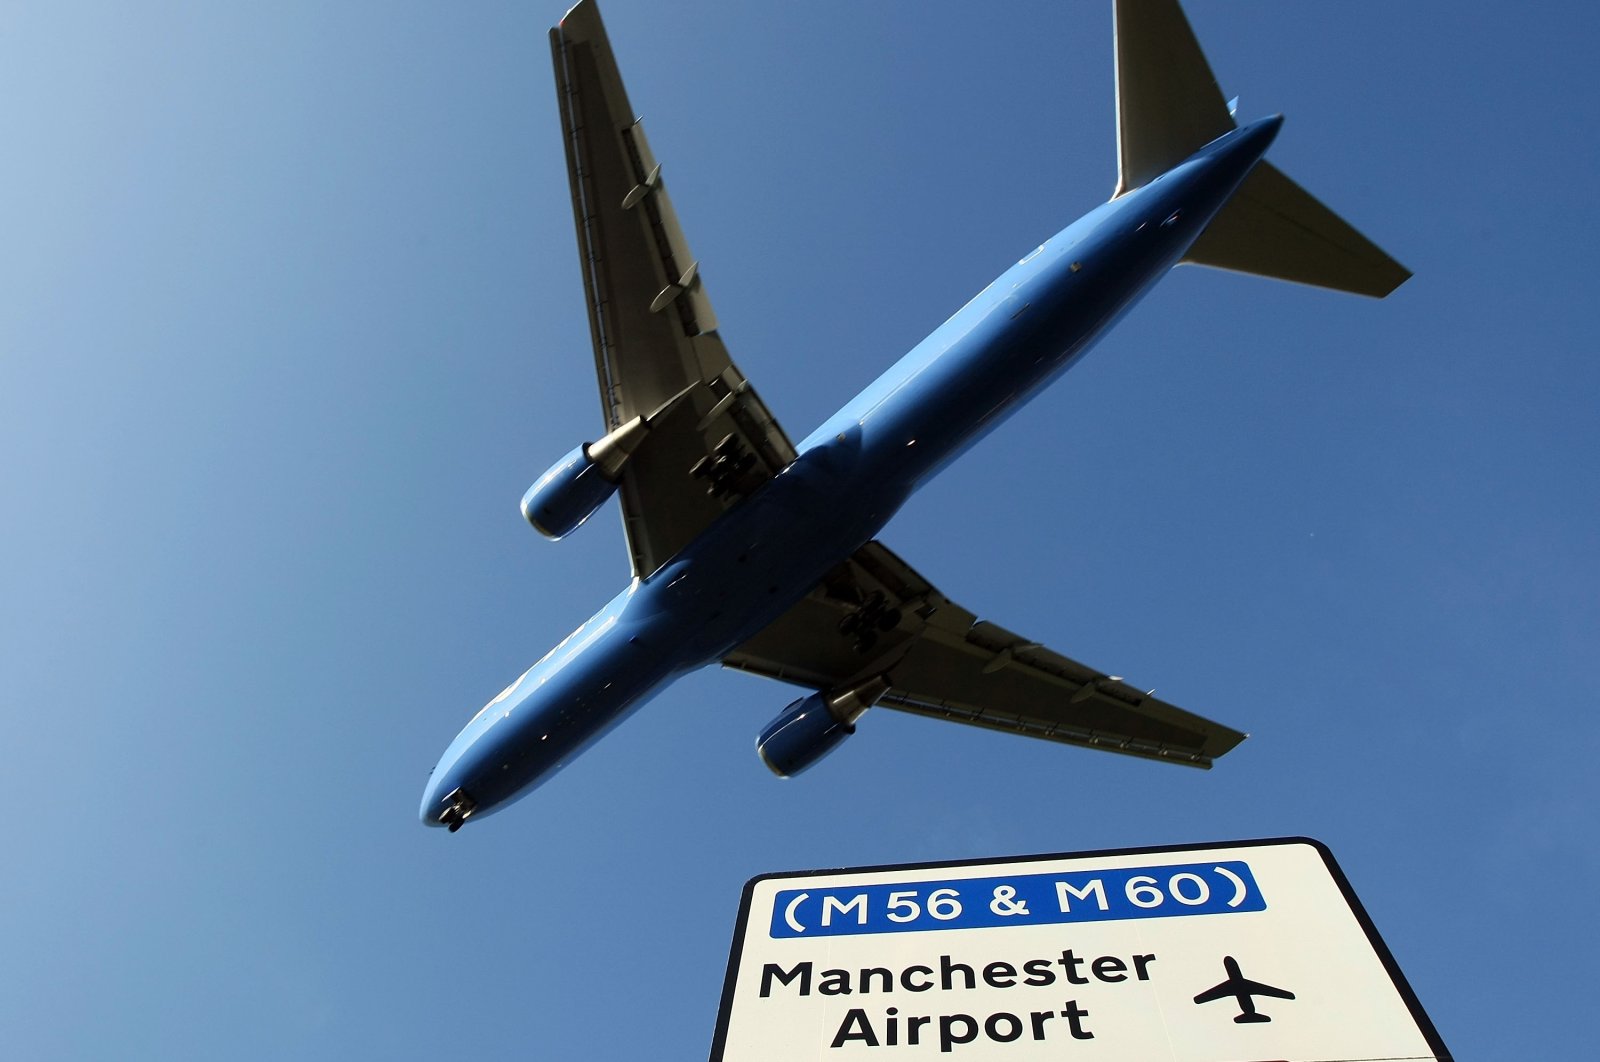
{"points": [[762, 554], [1241, 989]]}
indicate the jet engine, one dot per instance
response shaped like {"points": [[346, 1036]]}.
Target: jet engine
{"points": [[579, 483], [813, 726]]}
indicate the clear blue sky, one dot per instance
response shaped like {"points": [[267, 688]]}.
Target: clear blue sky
{"points": [[290, 316]]}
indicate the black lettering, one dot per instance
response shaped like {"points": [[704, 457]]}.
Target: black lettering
{"points": [[1072, 1014], [946, 968], [834, 983], [948, 1037], [992, 1027], [914, 1026], [773, 972], [892, 1033], [1039, 1017], [1141, 966], [912, 986], [1000, 975], [1109, 968], [1039, 973], [855, 1027], [866, 979], [1070, 963]]}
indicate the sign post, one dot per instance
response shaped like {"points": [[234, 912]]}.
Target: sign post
{"points": [[1237, 952]]}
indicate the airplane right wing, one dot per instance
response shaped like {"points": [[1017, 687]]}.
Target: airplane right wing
{"points": [[711, 440], [1256, 988], [875, 616]]}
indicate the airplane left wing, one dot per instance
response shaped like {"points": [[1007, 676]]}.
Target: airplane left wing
{"points": [[711, 440], [1216, 992], [874, 616]]}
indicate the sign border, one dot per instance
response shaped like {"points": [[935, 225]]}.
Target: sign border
{"points": [[1424, 1023]]}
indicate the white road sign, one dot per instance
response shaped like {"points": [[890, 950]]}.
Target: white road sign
{"points": [[1238, 952]]}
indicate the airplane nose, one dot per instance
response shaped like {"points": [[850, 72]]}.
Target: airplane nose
{"points": [[431, 805], [450, 810]]}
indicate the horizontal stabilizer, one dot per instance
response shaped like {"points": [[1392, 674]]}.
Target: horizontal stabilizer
{"points": [[1274, 228]]}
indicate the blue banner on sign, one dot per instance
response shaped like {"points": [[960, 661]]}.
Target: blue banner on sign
{"points": [[1016, 900]]}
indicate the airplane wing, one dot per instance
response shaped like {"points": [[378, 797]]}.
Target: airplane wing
{"points": [[875, 616], [1227, 988], [1256, 988], [1241, 986], [656, 348]]}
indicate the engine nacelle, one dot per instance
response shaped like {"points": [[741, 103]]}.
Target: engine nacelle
{"points": [[813, 726], [567, 495], [578, 484]]}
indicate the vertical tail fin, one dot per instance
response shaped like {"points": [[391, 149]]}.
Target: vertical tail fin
{"points": [[1168, 107], [1168, 102]]}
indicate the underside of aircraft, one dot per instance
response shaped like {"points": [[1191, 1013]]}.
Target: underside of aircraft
{"points": [[767, 551]]}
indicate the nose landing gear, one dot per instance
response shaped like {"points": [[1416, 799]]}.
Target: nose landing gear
{"points": [[460, 809]]}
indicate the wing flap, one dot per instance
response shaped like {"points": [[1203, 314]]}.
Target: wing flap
{"points": [[941, 661], [1000, 680]]}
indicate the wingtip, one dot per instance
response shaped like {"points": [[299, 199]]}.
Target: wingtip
{"points": [[581, 9], [1401, 277]]}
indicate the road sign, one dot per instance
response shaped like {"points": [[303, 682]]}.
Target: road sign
{"points": [[1251, 950]]}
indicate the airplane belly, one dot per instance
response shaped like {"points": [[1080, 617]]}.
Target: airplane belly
{"points": [[1032, 336], [768, 552], [1035, 321]]}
